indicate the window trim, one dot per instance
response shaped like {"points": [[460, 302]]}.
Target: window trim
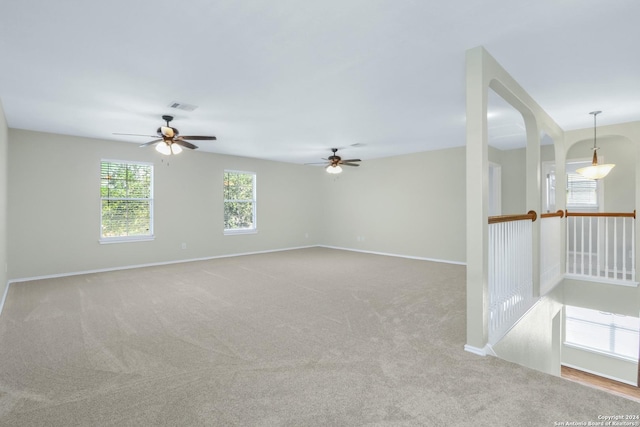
{"points": [[126, 239], [239, 231]]}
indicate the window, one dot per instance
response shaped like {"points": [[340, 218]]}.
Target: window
{"points": [[239, 202], [549, 187], [126, 192], [607, 333], [583, 195]]}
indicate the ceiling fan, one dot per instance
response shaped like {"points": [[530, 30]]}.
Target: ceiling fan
{"points": [[334, 162], [170, 141]]}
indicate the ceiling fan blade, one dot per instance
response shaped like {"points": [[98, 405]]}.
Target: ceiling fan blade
{"points": [[349, 164], [151, 143], [135, 134], [198, 138], [184, 143], [316, 163], [351, 160]]}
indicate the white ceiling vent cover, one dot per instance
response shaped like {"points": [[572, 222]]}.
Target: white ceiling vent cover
{"points": [[182, 106]]}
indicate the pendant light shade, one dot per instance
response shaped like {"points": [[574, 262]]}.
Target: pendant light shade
{"points": [[334, 169], [595, 171]]}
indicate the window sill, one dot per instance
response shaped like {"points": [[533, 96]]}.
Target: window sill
{"points": [[240, 231], [601, 279], [110, 240], [600, 352]]}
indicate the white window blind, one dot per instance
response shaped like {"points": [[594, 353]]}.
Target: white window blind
{"points": [[608, 333], [126, 192], [583, 194]]}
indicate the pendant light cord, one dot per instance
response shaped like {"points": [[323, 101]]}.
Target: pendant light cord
{"points": [[595, 149]]}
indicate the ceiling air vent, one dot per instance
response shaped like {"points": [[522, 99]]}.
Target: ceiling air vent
{"points": [[182, 106]]}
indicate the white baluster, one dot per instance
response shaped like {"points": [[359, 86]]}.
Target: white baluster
{"points": [[575, 244], [633, 249], [606, 247], [615, 248], [624, 249]]}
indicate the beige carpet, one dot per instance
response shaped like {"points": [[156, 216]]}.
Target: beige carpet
{"points": [[312, 337]]}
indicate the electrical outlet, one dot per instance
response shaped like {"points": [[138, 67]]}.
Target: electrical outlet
{"points": [[183, 246]]}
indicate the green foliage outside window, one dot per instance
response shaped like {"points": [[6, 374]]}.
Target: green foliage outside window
{"points": [[126, 193], [239, 201]]}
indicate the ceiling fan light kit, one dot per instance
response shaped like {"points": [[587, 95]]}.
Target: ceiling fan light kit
{"points": [[335, 163], [595, 171], [168, 149], [169, 140]]}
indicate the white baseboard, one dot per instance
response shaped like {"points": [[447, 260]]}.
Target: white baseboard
{"points": [[487, 350], [475, 350], [444, 261], [4, 296], [152, 264]]}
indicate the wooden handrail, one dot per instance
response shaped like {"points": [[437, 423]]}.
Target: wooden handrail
{"points": [[532, 215], [605, 214], [559, 213]]}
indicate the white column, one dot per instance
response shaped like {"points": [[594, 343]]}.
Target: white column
{"points": [[477, 201]]}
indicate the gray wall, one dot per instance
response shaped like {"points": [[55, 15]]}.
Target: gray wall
{"points": [[54, 206], [4, 163], [407, 205], [412, 205], [514, 190], [513, 164]]}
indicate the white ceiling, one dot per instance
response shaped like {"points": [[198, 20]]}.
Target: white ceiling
{"points": [[287, 80]]}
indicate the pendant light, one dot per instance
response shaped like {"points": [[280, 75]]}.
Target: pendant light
{"points": [[595, 171], [334, 169]]}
